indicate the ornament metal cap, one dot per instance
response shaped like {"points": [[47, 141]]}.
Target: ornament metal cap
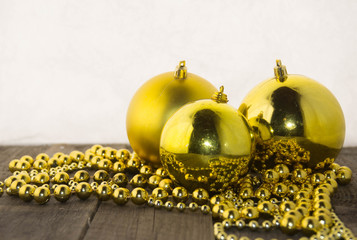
{"points": [[181, 70], [280, 71], [220, 97]]}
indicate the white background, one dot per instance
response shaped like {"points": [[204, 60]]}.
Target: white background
{"points": [[68, 69]]}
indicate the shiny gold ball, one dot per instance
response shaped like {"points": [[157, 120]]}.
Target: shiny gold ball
{"points": [[200, 196], [231, 214], [160, 194], [83, 190], [139, 196], [121, 196], [26, 192], [120, 179], [180, 194], [155, 102], [81, 176], [42, 195], [62, 193], [61, 178], [104, 192], [296, 107], [218, 210], [310, 225], [207, 144]]}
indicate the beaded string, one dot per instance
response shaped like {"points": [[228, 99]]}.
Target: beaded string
{"points": [[275, 198]]}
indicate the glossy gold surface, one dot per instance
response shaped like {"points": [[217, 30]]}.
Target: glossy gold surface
{"points": [[153, 104], [297, 107], [206, 144]]}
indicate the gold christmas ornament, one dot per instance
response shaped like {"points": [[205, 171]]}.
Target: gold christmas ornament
{"points": [[299, 111], [155, 102], [207, 144]]}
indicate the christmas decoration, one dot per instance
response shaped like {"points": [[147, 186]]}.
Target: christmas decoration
{"points": [[298, 112], [207, 144], [155, 102]]}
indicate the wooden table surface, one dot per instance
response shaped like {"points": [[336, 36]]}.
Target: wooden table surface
{"points": [[93, 219]]}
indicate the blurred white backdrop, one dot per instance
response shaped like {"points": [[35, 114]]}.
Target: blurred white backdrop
{"points": [[68, 69]]}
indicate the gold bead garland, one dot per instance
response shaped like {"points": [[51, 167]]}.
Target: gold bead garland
{"points": [[285, 196]]}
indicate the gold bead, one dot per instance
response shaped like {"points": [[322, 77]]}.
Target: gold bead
{"points": [[231, 214], [322, 196], [133, 165], [246, 193], [12, 165], [26, 192], [104, 192], [295, 213], [42, 194], [286, 206], [95, 160], [41, 178], [180, 194], [146, 170], [121, 196], [161, 172], [344, 175], [24, 176], [310, 225], [166, 184], [76, 156], [160, 193], [105, 164], [119, 167], [324, 219], [280, 190], [216, 199], [200, 196], [94, 148], [123, 155], [322, 211], [65, 159], [301, 194], [61, 178], [39, 164], [317, 178], [120, 179], [111, 154], [100, 176], [289, 224], [101, 152], [250, 213], [262, 193], [181, 206], [83, 190], [169, 205], [271, 176], [81, 176], [62, 193], [292, 189], [282, 170], [154, 181], [139, 196], [322, 204], [267, 225], [139, 180], [27, 158], [88, 155], [333, 183], [299, 175], [42, 156], [218, 209], [23, 165], [54, 162], [303, 210], [329, 174], [15, 186], [265, 208]]}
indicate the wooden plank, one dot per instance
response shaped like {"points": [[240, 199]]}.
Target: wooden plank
{"points": [[53, 220], [142, 222]]}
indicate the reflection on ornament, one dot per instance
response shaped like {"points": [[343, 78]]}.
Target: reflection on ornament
{"points": [[207, 144], [297, 110], [155, 102]]}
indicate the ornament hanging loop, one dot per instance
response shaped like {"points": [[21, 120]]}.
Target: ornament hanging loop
{"points": [[280, 71], [220, 97], [181, 70]]}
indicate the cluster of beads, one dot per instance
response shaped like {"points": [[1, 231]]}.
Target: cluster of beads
{"points": [[275, 198]]}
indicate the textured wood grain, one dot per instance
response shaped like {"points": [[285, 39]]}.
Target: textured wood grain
{"points": [[92, 219]]}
